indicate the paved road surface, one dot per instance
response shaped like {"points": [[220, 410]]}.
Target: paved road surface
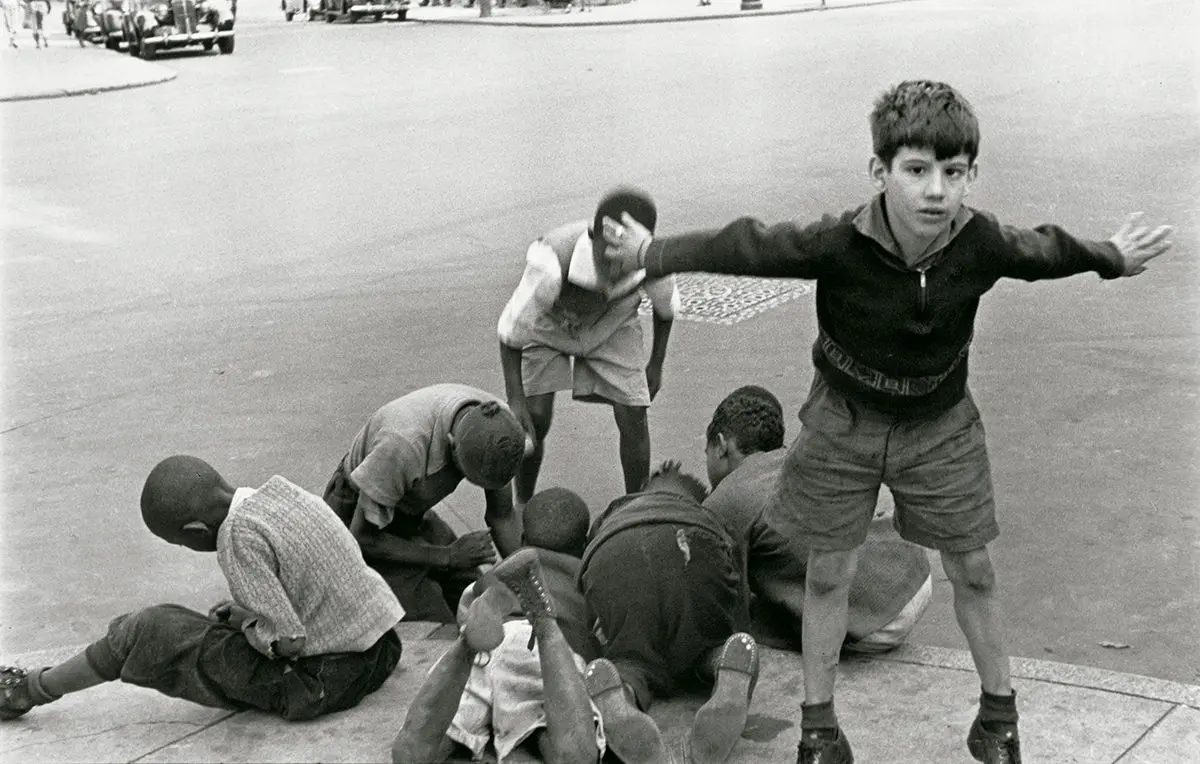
{"points": [[246, 262]]}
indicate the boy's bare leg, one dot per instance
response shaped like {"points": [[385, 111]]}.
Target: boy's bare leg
{"points": [[72, 675], [633, 428], [423, 736], [570, 733], [826, 614], [978, 613], [541, 411]]}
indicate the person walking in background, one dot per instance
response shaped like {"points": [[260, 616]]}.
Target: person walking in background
{"points": [[12, 9], [38, 11]]}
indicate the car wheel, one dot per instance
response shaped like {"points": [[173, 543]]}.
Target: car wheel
{"points": [[225, 45], [208, 44], [149, 51], [289, 15], [329, 17], [402, 15], [378, 17]]}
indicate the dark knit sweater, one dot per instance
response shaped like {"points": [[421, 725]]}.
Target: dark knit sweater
{"points": [[893, 337]]}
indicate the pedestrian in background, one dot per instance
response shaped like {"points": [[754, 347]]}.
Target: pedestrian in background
{"points": [[11, 10], [38, 11]]}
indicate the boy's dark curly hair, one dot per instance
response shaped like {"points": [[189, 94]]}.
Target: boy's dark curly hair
{"points": [[751, 416], [923, 114]]}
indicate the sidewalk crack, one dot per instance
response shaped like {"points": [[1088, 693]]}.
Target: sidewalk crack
{"points": [[1145, 734]]}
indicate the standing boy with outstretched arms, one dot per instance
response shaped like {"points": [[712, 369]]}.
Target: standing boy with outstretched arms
{"points": [[898, 285]]}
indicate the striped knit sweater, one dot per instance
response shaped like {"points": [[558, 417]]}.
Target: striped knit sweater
{"points": [[290, 561]]}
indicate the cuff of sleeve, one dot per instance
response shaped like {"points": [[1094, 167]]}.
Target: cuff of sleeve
{"points": [[1114, 262]]}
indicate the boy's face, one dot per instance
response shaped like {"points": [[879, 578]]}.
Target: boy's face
{"points": [[922, 193]]}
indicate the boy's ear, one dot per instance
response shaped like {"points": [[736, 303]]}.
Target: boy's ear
{"points": [[197, 530], [721, 444], [972, 174], [878, 170]]}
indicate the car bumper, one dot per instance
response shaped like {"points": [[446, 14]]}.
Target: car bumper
{"points": [[377, 7], [183, 38]]}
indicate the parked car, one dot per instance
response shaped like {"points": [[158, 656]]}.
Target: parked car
{"points": [[160, 25], [85, 24], [112, 22], [357, 9]]}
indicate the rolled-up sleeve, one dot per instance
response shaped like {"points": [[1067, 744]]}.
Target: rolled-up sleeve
{"points": [[664, 297], [540, 286]]}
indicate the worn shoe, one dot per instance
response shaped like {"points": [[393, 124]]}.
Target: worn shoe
{"points": [[522, 573], [815, 749], [992, 748], [15, 699], [719, 722], [633, 736]]}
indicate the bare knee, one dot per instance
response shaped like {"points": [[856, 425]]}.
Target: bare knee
{"points": [[970, 571], [829, 571]]}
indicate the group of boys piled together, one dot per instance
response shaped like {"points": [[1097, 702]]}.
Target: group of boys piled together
{"points": [[564, 643]]}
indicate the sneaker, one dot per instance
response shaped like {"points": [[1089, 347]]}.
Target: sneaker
{"points": [[994, 748], [720, 721], [15, 699], [633, 736], [815, 749]]}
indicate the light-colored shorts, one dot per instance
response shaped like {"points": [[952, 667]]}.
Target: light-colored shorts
{"points": [[936, 467], [504, 698], [610, 370], [892, 635]]}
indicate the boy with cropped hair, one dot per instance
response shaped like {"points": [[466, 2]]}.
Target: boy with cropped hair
{"points": [[898, 284], [513, 677], [745, 453], [568, 326], [410, 455], [309, 631]]}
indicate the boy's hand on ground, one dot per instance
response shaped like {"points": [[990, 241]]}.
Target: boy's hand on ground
{"points": [[627, 243], [220, 611], [471, 550], [1139, 244]]}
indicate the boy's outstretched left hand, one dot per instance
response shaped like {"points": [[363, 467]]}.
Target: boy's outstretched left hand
{"points": [[627, 242], [1138, 244]]}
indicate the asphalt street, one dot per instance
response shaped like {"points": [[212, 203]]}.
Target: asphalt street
{"points": [[245, 262]]}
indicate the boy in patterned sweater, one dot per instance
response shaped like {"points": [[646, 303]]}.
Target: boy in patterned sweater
{"points": [[898, 285], [309, 630]]}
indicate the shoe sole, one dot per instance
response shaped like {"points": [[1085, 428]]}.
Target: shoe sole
{"points": [[720, 721], [632, 734]]}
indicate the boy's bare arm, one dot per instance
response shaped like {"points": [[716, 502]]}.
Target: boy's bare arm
{"points": [[514, 391], [502, 520]]}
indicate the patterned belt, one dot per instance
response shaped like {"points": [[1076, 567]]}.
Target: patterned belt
{"points": [[877, 380]]}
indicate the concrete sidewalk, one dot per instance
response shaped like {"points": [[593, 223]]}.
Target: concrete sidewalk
{"points": [[913, 705], [65, 69], [633, 12]]}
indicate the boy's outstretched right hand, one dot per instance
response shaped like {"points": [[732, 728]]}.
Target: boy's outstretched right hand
{"points": [[471, 550], [1139, 244], [627, 243]]}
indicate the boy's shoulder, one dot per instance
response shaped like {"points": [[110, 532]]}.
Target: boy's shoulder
{"points": [[565, 236]]}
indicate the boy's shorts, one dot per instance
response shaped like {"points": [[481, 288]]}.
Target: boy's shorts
{"points": [[611, 369], [936, 467], [504, 700]]}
